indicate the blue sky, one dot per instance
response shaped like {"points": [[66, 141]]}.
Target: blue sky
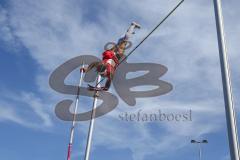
{"points": [[38, 36]]}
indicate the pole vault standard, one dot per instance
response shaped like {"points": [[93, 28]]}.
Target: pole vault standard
{"points": [[74, 117], [92, 121], [226, 80]]}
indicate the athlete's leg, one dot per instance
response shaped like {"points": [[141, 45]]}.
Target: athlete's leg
{"points": [[90, 67], [129, 32], [107, 84], [124, 40], [109, 75]]}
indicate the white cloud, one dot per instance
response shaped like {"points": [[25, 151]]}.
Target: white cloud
{"points": [[8, 39], [25, 109], [4, 30]]}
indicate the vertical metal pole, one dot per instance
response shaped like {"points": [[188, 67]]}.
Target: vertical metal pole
{"points": [[90, 131], [229, 108], [200, 151], [74, 117]]}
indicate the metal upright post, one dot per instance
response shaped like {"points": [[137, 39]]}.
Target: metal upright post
{"points": [[226, 80], [199, 146], [200, 151], [74, 117], [90, 131]]}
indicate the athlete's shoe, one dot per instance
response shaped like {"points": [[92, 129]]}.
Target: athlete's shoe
{"points": [[136, 25], [104, 88]]}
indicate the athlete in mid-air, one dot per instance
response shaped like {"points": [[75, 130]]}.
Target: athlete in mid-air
{"points": [[111, 58]]}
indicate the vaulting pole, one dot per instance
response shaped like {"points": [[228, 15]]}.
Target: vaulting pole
{"points": [[74, 117], [226, 80], [92, 121]]}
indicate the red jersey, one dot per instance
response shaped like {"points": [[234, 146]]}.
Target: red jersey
{"points": [[108, 54]]}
